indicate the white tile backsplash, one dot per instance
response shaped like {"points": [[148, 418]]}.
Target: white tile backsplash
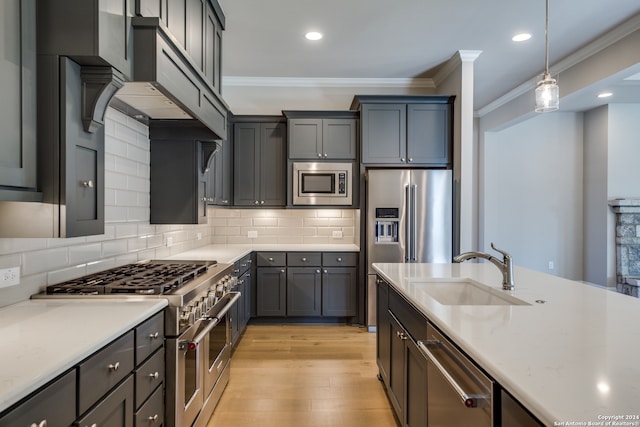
{"points": [[128, 236]]}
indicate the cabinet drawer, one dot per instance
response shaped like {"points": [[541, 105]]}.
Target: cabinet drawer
{"points": [[116, 409], [242, 265], [271, 259], [99, 373], [304, 259], [410, 318], [54, 404], [149, 337], [152, 412], [340, 259], [149, 376]]}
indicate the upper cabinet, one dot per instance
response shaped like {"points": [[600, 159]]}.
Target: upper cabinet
{"points": [[220, 188], [406, 130], [259, 162], [322, 135], [18, 88]]}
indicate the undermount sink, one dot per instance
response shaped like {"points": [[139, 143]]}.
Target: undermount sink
{"points": [[466, 292]]}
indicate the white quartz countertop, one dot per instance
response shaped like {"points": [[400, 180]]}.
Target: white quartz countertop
{"points": [[41, 339], [573, 359], [232, 253]]}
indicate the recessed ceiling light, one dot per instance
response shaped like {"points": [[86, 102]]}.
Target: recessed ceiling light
{"points": [[521, 37], [313, 35], [605, 94]]}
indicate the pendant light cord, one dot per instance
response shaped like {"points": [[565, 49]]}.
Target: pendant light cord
{"points": [[546, 49]]}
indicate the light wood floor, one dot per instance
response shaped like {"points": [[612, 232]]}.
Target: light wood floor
{"points": [[304, 376]]}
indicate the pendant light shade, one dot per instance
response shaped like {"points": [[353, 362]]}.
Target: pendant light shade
{"points": [[547, 91]]}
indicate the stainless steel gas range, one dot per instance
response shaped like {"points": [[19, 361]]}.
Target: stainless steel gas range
{"points": [[197, 328]]}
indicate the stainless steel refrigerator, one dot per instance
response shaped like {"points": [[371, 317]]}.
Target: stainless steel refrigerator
{"points": [[409, 219]]}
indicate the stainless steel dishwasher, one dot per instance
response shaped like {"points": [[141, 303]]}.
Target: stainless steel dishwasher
{"points": [[458, 393]]}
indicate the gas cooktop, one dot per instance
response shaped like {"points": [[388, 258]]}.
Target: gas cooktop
{"points": [[144, 278]]}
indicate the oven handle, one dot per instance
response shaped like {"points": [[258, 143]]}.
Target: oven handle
{"points": [[216, 319]]}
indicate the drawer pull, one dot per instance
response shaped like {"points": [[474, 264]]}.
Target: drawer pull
{"points": [[42, 423], [317, 271], [303, 259], [339, 259], [87, 184], [153, 419], [114, 367], [282, 271], [270, 259], [154, 336], [154, 376]]}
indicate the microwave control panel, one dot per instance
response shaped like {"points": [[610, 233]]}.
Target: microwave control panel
{"points": [[342, 183]]}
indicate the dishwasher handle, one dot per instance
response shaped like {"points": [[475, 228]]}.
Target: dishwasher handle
{"points": [[469, 400]]}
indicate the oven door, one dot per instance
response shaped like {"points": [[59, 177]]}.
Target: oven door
{"points": [[218, 344]]}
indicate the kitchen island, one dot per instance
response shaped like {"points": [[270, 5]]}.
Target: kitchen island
{"points": [[568, 352]]}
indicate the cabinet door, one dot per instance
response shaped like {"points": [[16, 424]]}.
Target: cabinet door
{"points": [[246, 163], [225, 192], [305, 138], [428, 134], [115, 410], [304, 291], [195, 11], [273, 177], [271, 292], [18, 88], [248, 283], [416, 386], [339, 291], [176, 17], [397, 346], [383, 349], [384, 133], [53, 405], [339, 139]]}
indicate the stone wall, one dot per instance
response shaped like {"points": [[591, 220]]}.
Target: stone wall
{"points": [[627, 245]]}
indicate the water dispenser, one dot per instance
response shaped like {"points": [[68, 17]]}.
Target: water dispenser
{"points": [[387, 223]]}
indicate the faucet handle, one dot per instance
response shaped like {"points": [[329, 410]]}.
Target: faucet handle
{"points": [[504, 253]]}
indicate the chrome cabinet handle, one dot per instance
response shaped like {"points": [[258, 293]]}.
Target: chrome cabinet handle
{"points": [[325, 155], [154, 376], [154, 336], [402, 159], [325, 271], [282, 271], [42, 423], [317, 271], [401, 335], [262, 202], [303, 259], [270, 259], [87, 184], [319, 155], [410, 159], [153, 419], [339, 259], [114, 367]]}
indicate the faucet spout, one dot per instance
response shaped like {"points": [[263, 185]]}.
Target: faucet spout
{"points": [[505, 266]]}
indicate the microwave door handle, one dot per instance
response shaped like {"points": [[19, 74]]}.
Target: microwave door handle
{"points": [[413, 223]]}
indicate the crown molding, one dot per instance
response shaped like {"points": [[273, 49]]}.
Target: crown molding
{"points": [[450, 66], [240, 81]]}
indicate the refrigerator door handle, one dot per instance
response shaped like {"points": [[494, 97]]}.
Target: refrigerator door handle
{"points": [[412, 215], [408, 232]]}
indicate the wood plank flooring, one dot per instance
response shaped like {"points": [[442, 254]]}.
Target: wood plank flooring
{"points": [[304, 376]]}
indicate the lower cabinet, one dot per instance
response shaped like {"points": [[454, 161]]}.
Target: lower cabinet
{"points": [[306, 284], [121, 385]]}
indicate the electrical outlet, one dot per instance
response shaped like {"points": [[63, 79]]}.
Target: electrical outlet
{"points": [[551, 266], [169, 241], [252, 234], [337, 234], [199, 236], [9, 277]]}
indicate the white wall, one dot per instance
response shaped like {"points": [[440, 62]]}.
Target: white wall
{"points": [[531, 186]]}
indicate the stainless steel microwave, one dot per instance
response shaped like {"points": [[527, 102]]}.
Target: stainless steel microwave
{"points": [[318, 183]]}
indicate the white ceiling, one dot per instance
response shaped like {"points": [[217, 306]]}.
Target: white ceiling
{"points": [[408, 38]]}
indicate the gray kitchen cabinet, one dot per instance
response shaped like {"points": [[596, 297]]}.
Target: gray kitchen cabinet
{"points": [[322, 135], [339, 291], [304, 291], [18, 157], [406, 130], [152, 412], [50, 405], [271, 291], [180, 159], [316, 284], [259, 164], [94, 32], [220, 184], [383, 325], [115, 410], [513, 414]]}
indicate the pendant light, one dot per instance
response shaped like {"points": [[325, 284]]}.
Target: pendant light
{"points": [[547, 91]]}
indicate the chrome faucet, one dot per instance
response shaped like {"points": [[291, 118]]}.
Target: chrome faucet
{"points": [[505, 266]]}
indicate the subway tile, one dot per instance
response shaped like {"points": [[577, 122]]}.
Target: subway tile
{"points": [[243, 240], [226, 213], [217, 222], [265, 222], [101, 265], [116, 116], [340, 222], [218, 240], [125, 198], [11, 245], [114, 214], [138, 154], [162, 252], [83, 253], [145, 255], [154, 241], [126, 259], [126, 166], [69, 241], [136, 244], [9, 261], [126, 230], [329, 213], [137, 214], [239, 222], [228, 231], [115, 180], [135, 183], [45, 260], [290, 239], [115, 147], [290, 222], [64, 274], [124, 133], [109, 197], [316, 222], [114, 248], [316, 240]]}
